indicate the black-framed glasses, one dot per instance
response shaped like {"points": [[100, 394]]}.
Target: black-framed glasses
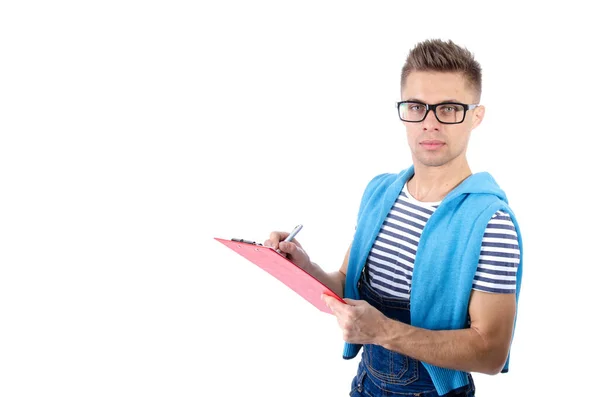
{"points": [[445, 112]]}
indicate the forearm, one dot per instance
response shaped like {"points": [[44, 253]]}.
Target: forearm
{"points": [[464, 349], [335, 281]]}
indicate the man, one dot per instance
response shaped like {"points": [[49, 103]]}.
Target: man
{"points": [[432, 278]]}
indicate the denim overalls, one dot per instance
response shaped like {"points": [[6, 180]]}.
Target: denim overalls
{"points": [[382, 372]]}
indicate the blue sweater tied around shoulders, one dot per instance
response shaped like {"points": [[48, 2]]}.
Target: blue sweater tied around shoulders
{"points": [[446, 258]]}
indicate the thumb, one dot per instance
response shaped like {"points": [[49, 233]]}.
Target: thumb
{"points": [[352, 302]]}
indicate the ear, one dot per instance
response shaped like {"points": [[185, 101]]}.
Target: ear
{"points": [[478, 114]]}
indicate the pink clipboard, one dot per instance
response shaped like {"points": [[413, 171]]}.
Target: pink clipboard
{"points": [[284, 270]]}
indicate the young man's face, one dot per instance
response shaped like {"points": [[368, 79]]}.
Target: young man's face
{"points": [[431, 142]]}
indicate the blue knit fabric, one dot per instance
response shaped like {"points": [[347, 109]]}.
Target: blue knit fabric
{"points": [[446, 258]]}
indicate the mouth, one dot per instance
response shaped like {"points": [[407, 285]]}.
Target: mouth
{"points": [[431, 144]]}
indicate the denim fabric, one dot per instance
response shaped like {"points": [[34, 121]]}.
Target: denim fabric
{"points": [[382, 372]]}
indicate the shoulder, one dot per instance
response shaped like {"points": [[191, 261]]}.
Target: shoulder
{"points": [[379, 184], [384, 180], [379, 181], [501, 219]]}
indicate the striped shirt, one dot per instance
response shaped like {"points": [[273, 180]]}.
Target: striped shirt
{"points": [[391, 260]]}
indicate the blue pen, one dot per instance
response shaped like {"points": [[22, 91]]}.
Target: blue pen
{"points": [[291, 236]]}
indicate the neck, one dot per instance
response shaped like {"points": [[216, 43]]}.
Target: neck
{"points": [[430, 184]]}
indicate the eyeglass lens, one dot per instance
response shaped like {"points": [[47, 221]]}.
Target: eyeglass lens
{"points": [[446, 113]]}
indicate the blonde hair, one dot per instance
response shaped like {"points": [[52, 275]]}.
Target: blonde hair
{"points": [[435, 55]]}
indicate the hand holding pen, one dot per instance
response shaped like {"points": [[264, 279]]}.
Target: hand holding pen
{"points": [[291, 236], [288, 247]]}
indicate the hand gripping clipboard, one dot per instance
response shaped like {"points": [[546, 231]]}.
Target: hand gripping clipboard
{"points": [[284, 270]]}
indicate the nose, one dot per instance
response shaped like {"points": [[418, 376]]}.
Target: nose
{"points": [[431, 122]]}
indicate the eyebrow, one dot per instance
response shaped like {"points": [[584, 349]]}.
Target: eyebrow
{"points": [[452, 100]]}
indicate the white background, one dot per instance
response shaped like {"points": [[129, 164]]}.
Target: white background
{"points": [[132, 133]]}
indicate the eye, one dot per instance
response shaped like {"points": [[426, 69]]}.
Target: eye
{"points": [[449, 108], [415, 107]]}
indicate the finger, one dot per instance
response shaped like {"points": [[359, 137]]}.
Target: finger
{"points": [[352, 302], [329, 306], [332, 303], [288, 247], [275, 238], [293, 251]]}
